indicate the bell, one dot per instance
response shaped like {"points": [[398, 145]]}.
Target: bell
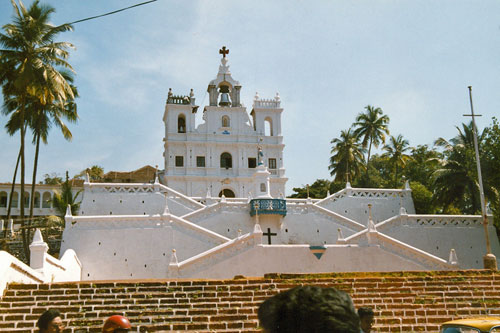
{"points": [[224, 96]]}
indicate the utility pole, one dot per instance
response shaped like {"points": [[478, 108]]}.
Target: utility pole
{"points": [[489, 260]]}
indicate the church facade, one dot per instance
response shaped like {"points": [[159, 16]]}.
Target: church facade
{"points": [[217, 211], [220, 156]]}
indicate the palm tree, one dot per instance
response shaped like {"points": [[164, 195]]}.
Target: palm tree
{"points": [[395, 151], [372, 127], [456, 181], [347, 158], [62, 199], [29, 62], [40, 121]]}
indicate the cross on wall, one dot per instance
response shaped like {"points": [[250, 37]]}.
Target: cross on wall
{"points": [[269, 234]]}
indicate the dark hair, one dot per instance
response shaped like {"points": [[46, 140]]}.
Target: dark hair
{"points": [[46, 318], [365, 311], [309, 309]]}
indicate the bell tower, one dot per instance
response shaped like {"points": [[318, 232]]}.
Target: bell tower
{"points": [[219, 156], [224, 90]]}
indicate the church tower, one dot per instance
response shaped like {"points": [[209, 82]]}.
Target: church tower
{"points": [[219, 157]]}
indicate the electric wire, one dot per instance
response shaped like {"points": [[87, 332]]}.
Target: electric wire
{"points": [[113, 12]]}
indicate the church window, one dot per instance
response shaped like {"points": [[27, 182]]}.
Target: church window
{"points": [[262, 187], [272, 163], [181, 124], [268, 127], [227, 193], [225, 121], [200, 161], [226, 161], [46, 200], [179, 161], [252, 162], [3, 199]]}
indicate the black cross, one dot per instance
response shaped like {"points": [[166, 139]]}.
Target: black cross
{"points": [[223, 51], [269, 234]]}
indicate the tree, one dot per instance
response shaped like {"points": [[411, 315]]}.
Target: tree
{"points": [[371, 126], [95, 172], [422, 165], [65, 197], [456, 181], [40, 120], [52, 179], [29, 62], [347, 160], [395, 151], [317, 190]]}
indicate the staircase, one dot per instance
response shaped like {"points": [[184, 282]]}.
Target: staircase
{"points": [[403, 301]]}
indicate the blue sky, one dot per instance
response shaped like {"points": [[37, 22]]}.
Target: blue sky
{"points": [[327, 59]]}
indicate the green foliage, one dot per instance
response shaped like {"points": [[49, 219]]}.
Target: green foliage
{"points": [[65, 197], [96, 173], [347, 160], [371, 128], [395, 151], [317, 190], [422, 198], [52, 179]]}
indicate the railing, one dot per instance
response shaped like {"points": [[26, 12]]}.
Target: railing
{"points": [[266, 103], [184, 100], [268, 206]]}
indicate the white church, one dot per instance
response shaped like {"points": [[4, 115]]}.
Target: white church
{"points": [[217, 210]]}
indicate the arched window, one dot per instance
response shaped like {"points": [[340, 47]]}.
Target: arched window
{"points": [[268, 126], [181, 124], [226, 161], [15, 200], [26, 199], [36, 204], [227, 193], [3, 199], [225, 121], [46, 200]]}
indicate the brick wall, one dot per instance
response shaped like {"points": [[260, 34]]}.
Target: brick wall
{"points": [[403, 301]]}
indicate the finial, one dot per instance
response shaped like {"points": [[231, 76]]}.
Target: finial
{"points": [[453, 259], [170, 94], [277, 97], [166, 211], [68, 211], [191, 93], [256, 97], [224, 51], [340, 236], [173, 258]]}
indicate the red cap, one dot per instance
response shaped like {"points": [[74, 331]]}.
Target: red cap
{"points": [[116, 322]]}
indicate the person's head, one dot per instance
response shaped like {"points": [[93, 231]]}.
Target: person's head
{"points": [[116, 324], [365, 318], [309, 309], [50, 322]]}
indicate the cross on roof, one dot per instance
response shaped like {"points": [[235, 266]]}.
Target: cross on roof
{"points": [[269, 234], [223, 51]]}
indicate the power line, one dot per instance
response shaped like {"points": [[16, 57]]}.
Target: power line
{"points": [[113, 12]]}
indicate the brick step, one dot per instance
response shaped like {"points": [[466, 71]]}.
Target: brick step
{"points": [[411, 302]]}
